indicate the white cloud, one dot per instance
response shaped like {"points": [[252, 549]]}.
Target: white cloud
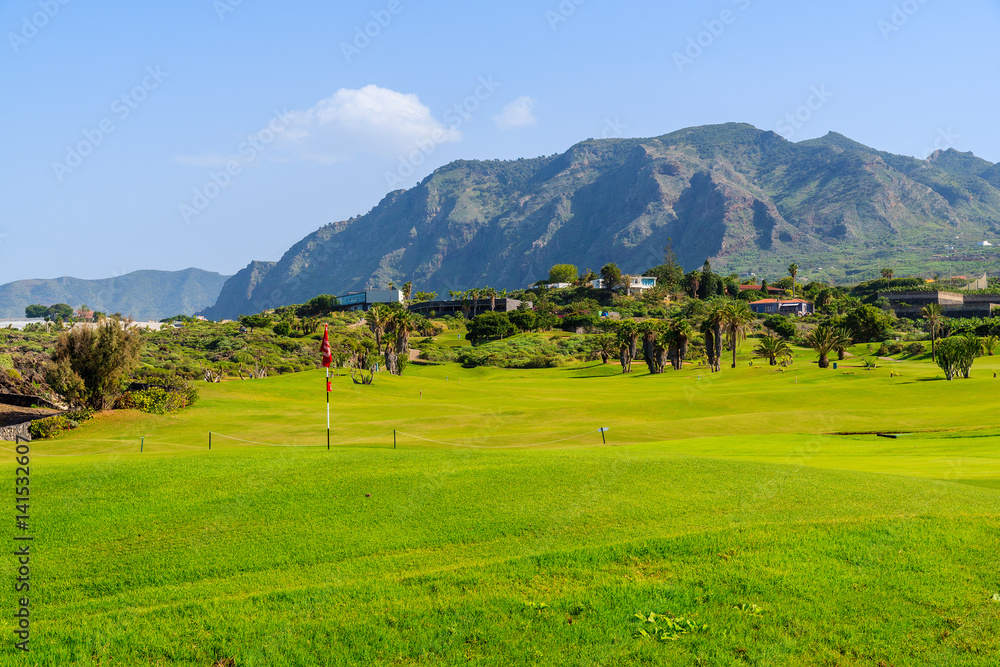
{"points": [[519, 113], [371, 120]]}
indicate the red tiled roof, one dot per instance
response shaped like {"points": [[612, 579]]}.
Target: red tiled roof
{"points": [[782, 301]]}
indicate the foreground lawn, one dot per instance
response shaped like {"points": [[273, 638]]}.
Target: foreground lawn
{"points": [[724, 499]]}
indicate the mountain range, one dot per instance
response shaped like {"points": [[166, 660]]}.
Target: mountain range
{"points": [[143, 295], [744, 198]]}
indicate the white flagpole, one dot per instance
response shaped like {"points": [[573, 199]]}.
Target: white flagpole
{"points": [[327, 407]]}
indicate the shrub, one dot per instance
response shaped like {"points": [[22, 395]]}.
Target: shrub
{"points": [[282, 328], [80, 415], [913, 349], [526, 351], [781, 325], [154, 400], [89, 365], [868, 323], [955, 355], [158, 392], [433, 352], [524, 320], [490, 325], [576, 321], [48, 427]]}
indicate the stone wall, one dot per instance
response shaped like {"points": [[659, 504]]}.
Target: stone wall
{"points": [[10, 433]]}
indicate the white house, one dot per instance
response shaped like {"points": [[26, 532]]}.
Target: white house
{"points": [[986, 244], [636, 285]]}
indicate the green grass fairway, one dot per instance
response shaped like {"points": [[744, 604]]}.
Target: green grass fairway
{"points": [[725, 499]]}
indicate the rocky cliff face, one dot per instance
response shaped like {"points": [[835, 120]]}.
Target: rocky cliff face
{"points": [[742, 197]]}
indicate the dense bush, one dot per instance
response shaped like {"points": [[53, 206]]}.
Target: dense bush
{"points": [[51, 426], [527, 351], [781, 325], [868, 323], [489, 326], [430, 351], [524, 320], [913, 349], [158, 391], [155, 400], [90, 365], [890, 348], [48, 427], [575, 321]]}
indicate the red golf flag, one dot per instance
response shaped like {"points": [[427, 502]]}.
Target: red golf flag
{"points": [[324, 349]]}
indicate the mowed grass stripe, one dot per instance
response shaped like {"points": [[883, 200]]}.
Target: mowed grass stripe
{"points": [[712, 493]]}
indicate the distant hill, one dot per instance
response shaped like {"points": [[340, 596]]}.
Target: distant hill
{"points": [[239, 291], [745, 198], [143, 295]]}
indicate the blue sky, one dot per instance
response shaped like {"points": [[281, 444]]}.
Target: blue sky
{"points": [[211, 133]]}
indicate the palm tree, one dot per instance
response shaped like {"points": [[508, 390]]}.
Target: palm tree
{"points": [[845, 340], [825, 339], [793, 270], [627, 336], [934, 314], [713, 328], [474, 293], [377, 318], [677, 336], [606, 345], [737, 321], [772, 348], [887, 274], [464, 296], [397, 327], [402, 323]]}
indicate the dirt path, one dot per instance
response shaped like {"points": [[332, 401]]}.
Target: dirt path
{"points": [[12, 414]]}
